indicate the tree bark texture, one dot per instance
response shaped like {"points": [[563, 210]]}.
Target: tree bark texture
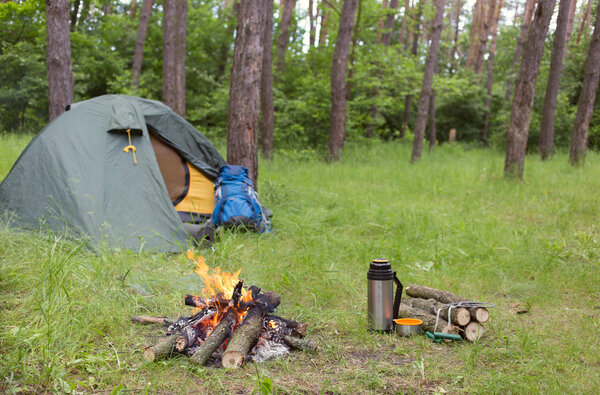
{"points": [[546, 143], [58, 57], [572, 9], [133, 9], [214, 340], [527, 15], [244, 89], [587, 98], [476, 23], [518, 129], [430, 64], [490, 71], [181, 11], [162, 349], [338, 80], [429, 320], [388, 24], [243, 338], [485, 32], [284, 36], [138, 54], [266, 86], [169, 92], [458, 316]]}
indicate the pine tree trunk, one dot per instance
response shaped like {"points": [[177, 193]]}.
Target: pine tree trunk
{"points": [[181, 10], [546, 143], [430, 65], [266, 86], [133, 9], [572, 9], [324, 19], [388, 25], [284, 36], [312, 28], [587, 98], [58, 57], [490, 71], [584, 20], [229, 13], [518, 129], [338, 84], [244, 89], [432, 126], [402, 38], [474, 34], [415, 46], [454, 62], [138, 54], [485, 31], [351, 58], [527, 15], [74, 13], [169, 91]]}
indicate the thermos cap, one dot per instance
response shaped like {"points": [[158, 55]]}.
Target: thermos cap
{"points": [[380, 269]]}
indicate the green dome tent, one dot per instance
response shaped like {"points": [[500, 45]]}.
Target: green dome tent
{"points": [[113, 170]]}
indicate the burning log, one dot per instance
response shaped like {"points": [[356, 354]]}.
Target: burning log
{"points": [[298, 329], [479, 314], [163, 349], [214, 340], [459, 316], [246, 335], [429, 320]]}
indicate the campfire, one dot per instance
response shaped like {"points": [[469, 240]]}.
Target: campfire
{"points": [[230, 324]]}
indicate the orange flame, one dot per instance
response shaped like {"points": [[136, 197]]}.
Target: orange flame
{"points": [[217, 282]]}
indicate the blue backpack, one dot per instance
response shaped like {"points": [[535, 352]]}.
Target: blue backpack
{"points": [[236, 201]]}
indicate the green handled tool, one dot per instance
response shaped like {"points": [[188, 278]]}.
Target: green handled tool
{"points": [[438, 336]]}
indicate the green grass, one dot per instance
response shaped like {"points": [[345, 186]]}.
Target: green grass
{"points": [[450, 221]]}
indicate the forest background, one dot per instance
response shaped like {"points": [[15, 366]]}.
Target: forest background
{"points": [[379, 78]]}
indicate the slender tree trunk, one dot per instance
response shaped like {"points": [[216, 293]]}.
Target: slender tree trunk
{"points": [[351, 58], [138, 54], [284, 36], [518, 130], [453, 61], [584, 20], [229, 13], [388, 25], [430, 65], [483, 37], [415, 47], [527, 15], [132, 9], [169, 90], [312, 28], [587, 98], [85, 11], [58, 57], [402, 37], [266, 85], [74, 14], [244, 89], [338, 83], [490, 71], [380, 22], [572, 9], [324, 19], [546, 143], [181, 10]]}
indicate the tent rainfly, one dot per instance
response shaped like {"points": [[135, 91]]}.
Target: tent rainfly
{"points": [[116, 170]]}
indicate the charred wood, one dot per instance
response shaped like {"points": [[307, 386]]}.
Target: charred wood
{"points": [[214, 340]]}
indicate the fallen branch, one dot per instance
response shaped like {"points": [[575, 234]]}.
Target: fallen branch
{"points": [[163, 349]]}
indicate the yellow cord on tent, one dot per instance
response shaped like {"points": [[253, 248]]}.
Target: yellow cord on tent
{"points": [[130, 147]]}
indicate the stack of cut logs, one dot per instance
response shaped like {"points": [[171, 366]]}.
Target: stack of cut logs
{"points": [[424, 304], [229, 331]]}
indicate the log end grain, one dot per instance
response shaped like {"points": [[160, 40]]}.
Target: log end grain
{"points": [[473, 331], [233, 359], [480, 314], [463, 317]]}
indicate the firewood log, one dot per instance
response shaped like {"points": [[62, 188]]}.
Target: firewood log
{"points": [[421, 291], [214, 340], [243, 339], [300, 344], [428, 319], [473, 331], [162, 349], [460, 316]]}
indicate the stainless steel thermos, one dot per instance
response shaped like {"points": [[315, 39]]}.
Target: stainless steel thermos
{"points": [[382, 306]]}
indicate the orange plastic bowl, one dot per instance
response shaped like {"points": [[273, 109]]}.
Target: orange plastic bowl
{"points": [[408, 326]]}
